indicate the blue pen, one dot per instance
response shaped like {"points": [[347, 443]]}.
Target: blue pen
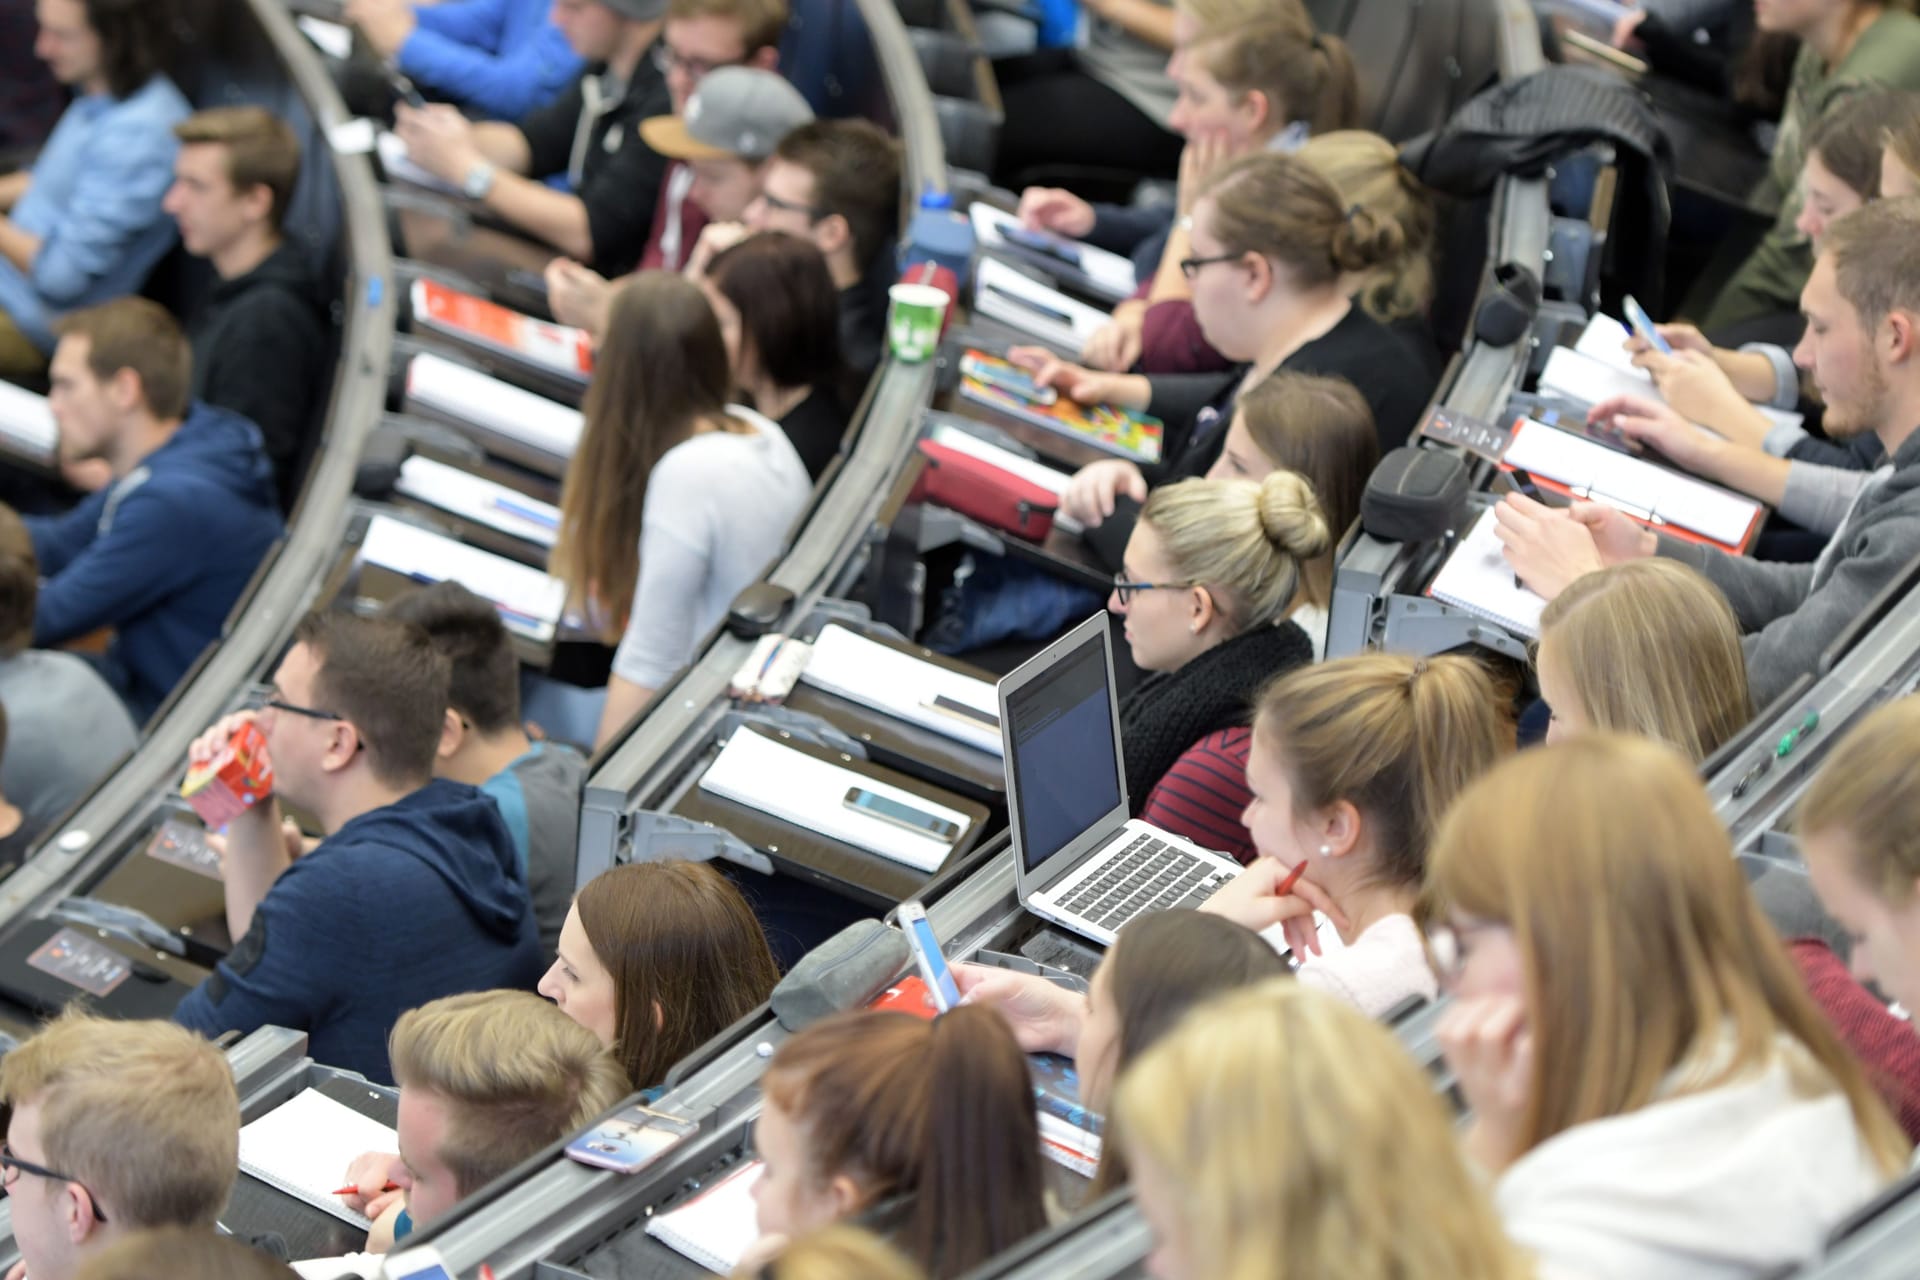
{"points": [[512, 508]]}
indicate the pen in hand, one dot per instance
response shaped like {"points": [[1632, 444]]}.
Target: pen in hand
{"points": [[354, 1191]]}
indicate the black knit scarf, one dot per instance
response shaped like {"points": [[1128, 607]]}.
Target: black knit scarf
{"points": [[1169, 711]]}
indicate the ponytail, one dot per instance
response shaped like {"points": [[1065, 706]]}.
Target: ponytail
{"points": [[1336, 100], [1303, 75], [1245, 541], [1397, 737]]}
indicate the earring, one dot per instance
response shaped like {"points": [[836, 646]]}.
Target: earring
{"points": [[1193, 628], [1326, 850]]}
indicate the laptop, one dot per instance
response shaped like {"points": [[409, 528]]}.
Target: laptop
{"points": [[1078, 860]]}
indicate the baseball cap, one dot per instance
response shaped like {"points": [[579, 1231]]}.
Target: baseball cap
{"points": [[739, 112]]}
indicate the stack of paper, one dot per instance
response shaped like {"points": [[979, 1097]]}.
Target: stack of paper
{"points": [[1104, 273], [1023, 302], [467, 395], [756, 771], [304, 1145], [1598, 367], [530, 602], [1635, 485], [1477, 577], [716, 1227], [26, 425], [482, 501], [901, 685]]}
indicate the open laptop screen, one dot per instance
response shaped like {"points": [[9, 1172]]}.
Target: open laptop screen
{"points": [[1060, 751]]}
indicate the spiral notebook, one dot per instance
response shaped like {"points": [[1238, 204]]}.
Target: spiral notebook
{"points": [[716, 1227], [304, 1145], [1478, 577]]}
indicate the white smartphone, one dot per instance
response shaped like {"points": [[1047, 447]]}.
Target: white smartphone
{"points": [[927, 956], [1642, 324]]}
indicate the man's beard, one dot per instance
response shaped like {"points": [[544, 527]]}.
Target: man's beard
{"points": [[1862, 412]]}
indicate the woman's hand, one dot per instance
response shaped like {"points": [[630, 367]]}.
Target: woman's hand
{"points": [[1045, 1018], [1090, 495], [1055, 210], [1082, 386], [1489, 1045], [1115, 345], [1253, 899]]}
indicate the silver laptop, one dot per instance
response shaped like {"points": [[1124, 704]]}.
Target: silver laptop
{"points": [[1079, 861]]}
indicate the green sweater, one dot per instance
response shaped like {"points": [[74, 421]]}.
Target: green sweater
{"points": [[1886, 54]]}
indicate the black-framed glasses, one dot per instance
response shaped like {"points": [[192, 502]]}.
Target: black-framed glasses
{"points": [[1125, 591], [813, 213], [666, 58], [1190, 267], [12, 1166], [293, 709]]}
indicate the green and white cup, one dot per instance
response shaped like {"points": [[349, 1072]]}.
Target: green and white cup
{"points": [[913, 321]]}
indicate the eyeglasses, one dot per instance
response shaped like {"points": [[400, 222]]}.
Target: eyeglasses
{"points": [[1190, 267], [1446, 946], [311, 713], [12, 1166], [1126, 591], [813, 213], [665, 59]]}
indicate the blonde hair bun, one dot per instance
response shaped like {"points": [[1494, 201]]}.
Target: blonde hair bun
{"points": [[1290, 516]]}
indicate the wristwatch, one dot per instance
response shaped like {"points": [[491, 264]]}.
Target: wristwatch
{"points": [[479, 181]]}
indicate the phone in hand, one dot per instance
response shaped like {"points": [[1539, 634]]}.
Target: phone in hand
{"points": [[927, 956], [1642, 324], [407, 91], [631, 1139]]}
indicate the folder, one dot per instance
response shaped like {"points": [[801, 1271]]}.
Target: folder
{"points": [[467, 395], [564, 350], [1107, 274], [530, 602], [1478, 577], [27, 428], [898, 684], [479, 500], [1012, 298], [761, 773]]}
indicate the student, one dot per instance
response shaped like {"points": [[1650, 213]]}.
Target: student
{"points": [[1900, 148], [656, 959], [260, 342], [718, 142], [1647, 647], [114, 1127], [1845, 45], [1862, 347], [676, 500], [587, 134], [31, 100], [923, 1131], [170, 1252], [75, 726], [1276, 1124], [1159, 966], [352, 727], [1353, 763], [162, 552], [837, 183], [837, 1253], [775, 301], [84, 223], [1272, 247], [1212, 571], [498, 59], [486, 1079], [1652, 1091], [537, 785]]}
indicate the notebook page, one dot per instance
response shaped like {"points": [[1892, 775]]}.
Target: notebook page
{"points": [[304, 1145], [899, 684], [1477, 577], [478, 499], [1612, 476], [26, 424], [716, 1227], [1054, 482], [1604, 339], [472, 396], [1000, 291], [1583, 373], [763, 774], [529, 601]]}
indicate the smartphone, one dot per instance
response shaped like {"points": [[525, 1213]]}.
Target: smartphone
{"points": [[408, 93], [861, 800], [1643, 325], [1040, 242], [961, 711], [631, 1139], [423, 1263], [927, 956], [1008, 378]]}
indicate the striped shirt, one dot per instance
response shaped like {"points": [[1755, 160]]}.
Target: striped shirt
{"points": [[1203, 795]]}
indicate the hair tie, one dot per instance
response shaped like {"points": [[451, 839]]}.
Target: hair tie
{"points": [[1353, 211]]}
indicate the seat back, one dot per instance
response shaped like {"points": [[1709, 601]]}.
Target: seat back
{"points": [[1418, 59]]}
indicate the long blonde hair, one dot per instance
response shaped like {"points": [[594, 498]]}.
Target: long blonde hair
{"points": [[1869, 790], [1246, 541], [1366, 170], [1651, 647], [1302, 1142], [1644, 953]]}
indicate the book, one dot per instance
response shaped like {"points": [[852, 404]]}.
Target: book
{"points": [[304, 1145], [1107, 274], [1477, 577], [848, 665], [1138, 437], [716, 1227], [561, 348], [1004, 294]]}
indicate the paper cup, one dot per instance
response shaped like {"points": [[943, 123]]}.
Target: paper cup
{"points": [[914, 319]]}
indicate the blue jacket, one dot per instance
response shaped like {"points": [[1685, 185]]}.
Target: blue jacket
{"points": [[160, 555], [417, 900], [95, 204], [500, 57]]}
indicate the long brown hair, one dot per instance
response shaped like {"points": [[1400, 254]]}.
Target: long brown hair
{"points": [[1305, 75], [661, 372], [1644, 952], [941, 1111], [687, 956]]}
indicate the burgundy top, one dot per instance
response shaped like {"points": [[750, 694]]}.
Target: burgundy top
{"points": [[1203, 795]]}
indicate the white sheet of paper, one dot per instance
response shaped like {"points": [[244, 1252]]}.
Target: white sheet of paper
{"points": [[467, 394], [1632, 483], [27, 425], [304, 1145], [994, 280], [762, 774], [480, 500], [876, 675], [1477, 577], [529, 601]]}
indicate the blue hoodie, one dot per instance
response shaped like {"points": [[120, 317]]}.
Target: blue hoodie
{"points": [[161, 554], [420, 899]]}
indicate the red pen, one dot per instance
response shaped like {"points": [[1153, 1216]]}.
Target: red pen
{"points": [[354, 1191], [486, 1272], [1291, 879]]}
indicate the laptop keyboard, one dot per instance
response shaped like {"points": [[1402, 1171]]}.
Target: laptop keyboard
{"points": [[1146, 875]]}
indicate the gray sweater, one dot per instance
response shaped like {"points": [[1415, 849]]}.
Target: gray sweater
{"points": [[1792, 612]]}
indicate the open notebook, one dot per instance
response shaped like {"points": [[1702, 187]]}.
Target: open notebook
{"points": [[304, 1145], [467, 395], [1598, 366], [756, 771], [1107, 274], [1478, 578], [716, 1227], [875, 675]]}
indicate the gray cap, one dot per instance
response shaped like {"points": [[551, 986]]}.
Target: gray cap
{"points": [[740, 112], [638, 10]]}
